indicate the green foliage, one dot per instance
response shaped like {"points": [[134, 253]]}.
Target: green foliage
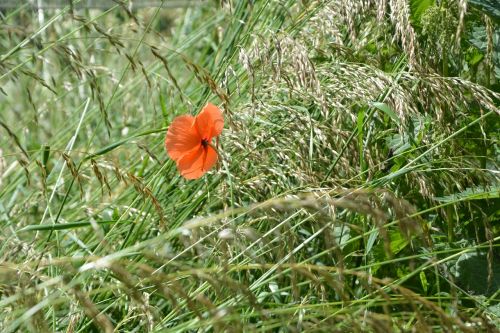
{"points": [[418, 8], [489, 7], [439, 25], [476, 276]]}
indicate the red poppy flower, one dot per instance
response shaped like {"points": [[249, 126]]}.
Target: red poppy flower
{"points": [[189, 141]]}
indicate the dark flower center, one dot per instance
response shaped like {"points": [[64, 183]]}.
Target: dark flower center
{"points": [[204, 143]]}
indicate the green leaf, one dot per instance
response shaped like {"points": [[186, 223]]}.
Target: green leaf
{"points": [[371, 240], [494, 313], [45, 155], [61, 226], [118, 143], [398, 242], [423, 281], [417, 8], [472, 193], [388, 111], [474, 56]]}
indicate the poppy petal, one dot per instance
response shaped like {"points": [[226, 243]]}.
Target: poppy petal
{"points": [[182, 137], [191, 164], [197, 162], [210, 159], [209, 122]]}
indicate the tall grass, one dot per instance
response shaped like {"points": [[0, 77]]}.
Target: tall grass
{"points": [[357, 189]]}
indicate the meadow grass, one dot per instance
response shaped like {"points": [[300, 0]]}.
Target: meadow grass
{"points": [[357, 187]]}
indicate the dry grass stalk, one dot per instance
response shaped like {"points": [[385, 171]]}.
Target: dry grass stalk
{"points": [[400, 16], [489, 48], [101, 177], [462, 10], [91, 310], [144, 190], [74, 171]]}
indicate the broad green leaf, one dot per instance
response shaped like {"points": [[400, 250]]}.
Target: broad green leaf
{"points": [[398, 242]]}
